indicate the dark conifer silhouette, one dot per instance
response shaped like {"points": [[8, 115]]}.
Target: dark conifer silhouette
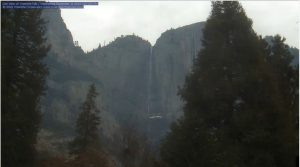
{"points": [[23, 82], [87, 126], [235, 112]]}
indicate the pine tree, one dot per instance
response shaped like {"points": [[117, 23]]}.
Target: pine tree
{"points": [[287, 79], [286, 75], [87, 126], [23, 83], [234, 113]]}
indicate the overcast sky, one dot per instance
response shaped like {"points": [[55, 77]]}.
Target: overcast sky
{"points": [[148, 19]]}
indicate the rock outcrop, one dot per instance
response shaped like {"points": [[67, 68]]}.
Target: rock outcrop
{"points": [[137, 82]]}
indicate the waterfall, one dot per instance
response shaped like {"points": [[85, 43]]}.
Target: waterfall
{"points": [[194, 46], [149, 83], [148, 100]]}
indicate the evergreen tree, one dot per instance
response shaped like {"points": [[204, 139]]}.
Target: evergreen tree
{"points": [[87, 126], [23, 83], [286, 75], [287, 79], [234, 111]]}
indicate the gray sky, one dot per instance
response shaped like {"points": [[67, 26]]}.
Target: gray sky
{"points": [[148, 19]]}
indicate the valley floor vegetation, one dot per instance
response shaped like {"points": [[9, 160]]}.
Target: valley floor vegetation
{"points": [[240, 103]]}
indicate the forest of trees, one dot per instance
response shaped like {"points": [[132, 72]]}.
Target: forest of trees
{"points": [[86, 146], [87, 149], [22, 83], [241, 102]]}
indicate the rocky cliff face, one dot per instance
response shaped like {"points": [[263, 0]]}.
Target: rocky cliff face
{"points": [[122, 67], [65, 84], [137, 82], [119, 71], [172, 58]]}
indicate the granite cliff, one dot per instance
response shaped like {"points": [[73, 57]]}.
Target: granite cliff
{"points": [[137, 82]]}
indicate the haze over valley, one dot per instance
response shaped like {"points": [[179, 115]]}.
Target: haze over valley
{"points": [[208, 85]]}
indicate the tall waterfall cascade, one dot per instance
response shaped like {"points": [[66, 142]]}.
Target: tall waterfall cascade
{"points": [[149, 83], [150, 115]]}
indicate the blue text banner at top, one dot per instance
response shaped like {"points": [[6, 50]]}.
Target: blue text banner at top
{"points": [[45, 5]]}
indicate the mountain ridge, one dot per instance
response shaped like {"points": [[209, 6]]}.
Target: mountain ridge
{"points": [[138, 82]]}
